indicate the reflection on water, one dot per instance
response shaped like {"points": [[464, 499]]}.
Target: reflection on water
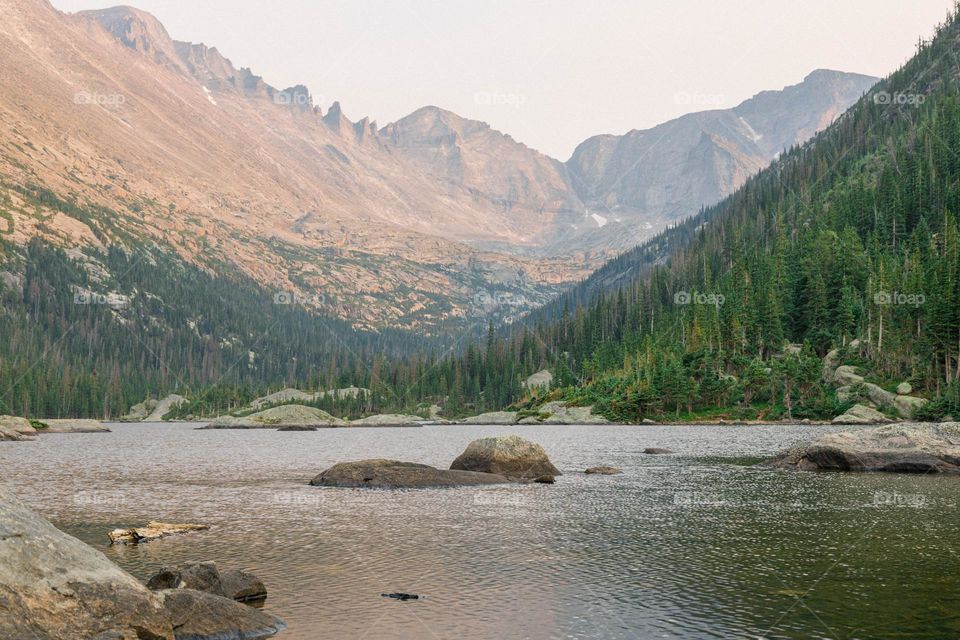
{"points": [[698, 544]]}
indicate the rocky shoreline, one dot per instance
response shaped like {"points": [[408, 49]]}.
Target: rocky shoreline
{"points": [[55, 587]]}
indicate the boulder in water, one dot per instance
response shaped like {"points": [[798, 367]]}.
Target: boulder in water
{"points": [[235, 584], [393, 474], [510, 456], [603, 471], [656, 451], [900, 448], [74, 425], [198, 615]]}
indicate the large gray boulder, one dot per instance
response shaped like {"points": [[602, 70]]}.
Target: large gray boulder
{"points": [[393, 474], [907, 405], [904, 389], [902, 448], [54, 587], [196, 615], [861, 414], [845, 375], [164, 406], [541, 379], [16, 425], [510, 456]]}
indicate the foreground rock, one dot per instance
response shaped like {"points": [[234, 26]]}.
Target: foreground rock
{"points": [[152, 531], [861, 414], [393, 474], [54, 587], [73, 425], [510, 456], [603, 471], [199, 615], [388, 420], [899, 448], [282, 416], [560, 413], [235, 584]]}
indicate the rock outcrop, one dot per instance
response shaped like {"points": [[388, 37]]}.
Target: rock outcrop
{"points": [[393, 474], [164, 406], [861, 414], [900, 448], [282, 416], [74, 425], [152, 531], [541, 379], [492, 417], [560, 413], [510, 456], [16, 425], [388, 420]]}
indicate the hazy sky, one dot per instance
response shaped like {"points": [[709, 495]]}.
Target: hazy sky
{"points": [[549, 73]]}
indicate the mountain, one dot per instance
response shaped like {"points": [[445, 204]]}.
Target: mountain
{"points": [[843, 251], [431, 223], [642, 180]]}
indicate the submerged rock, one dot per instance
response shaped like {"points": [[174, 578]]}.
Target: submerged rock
{"points": [[235, 584], [393, 474], [152, 531], [74, 425], [510, 456], [861, 414], [546, 479], [199, 615], [654, 451], [297, 427], [401, 596], [900, 448], [603, 471]]}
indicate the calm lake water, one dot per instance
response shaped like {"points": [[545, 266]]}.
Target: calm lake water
{"points": [[695, 545]]}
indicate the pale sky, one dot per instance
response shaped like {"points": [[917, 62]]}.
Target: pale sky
{"points": [[548, 73]]}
